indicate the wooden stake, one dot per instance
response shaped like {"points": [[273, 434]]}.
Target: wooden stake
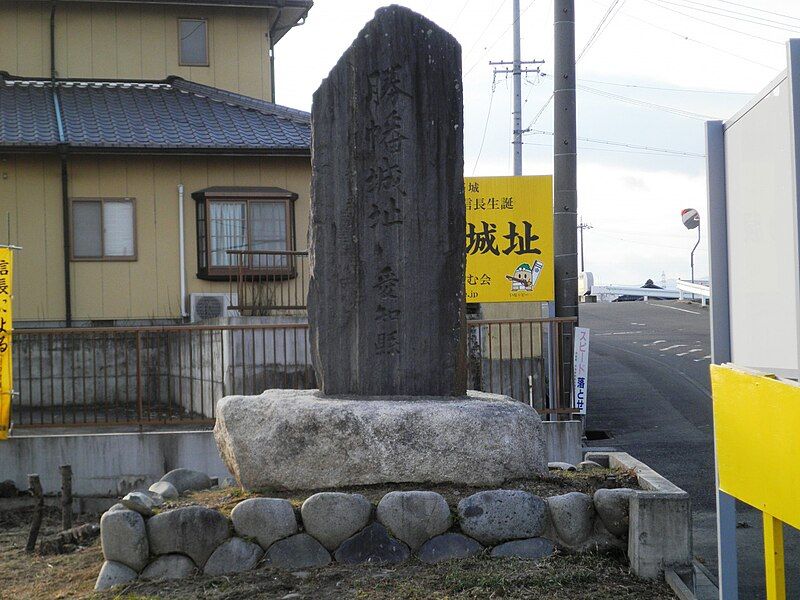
{"points": [[66, 497], [36, 488]]}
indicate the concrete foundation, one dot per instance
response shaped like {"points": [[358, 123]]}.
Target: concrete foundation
{"points": [[563, 441], [110, 464], [660, 531]]}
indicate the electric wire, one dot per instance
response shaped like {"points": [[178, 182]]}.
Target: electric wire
{"points": [[607, 17], [618, 151], [666, 89], [645, 104], [485, 129], [497, 40], [461, 12], [625, 145], [485, 29], [727, 14], [701, 43], [601, 27], [753, 8], [690, 16]]}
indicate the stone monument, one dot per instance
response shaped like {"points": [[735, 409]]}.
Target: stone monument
{"points": [[386, 296]]}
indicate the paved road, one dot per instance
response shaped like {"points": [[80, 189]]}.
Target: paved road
{"points": [[649, 387]]}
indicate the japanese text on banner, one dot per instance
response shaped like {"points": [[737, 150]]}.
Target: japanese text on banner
{"points": [[509, 239], [581, 369], [6, 296]]}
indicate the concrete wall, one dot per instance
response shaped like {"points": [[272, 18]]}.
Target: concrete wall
{"points": [[108, 464], [205, 368], [136, 41], [563, 441], [149, 287]]}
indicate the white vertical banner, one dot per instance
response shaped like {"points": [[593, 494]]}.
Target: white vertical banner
{"points": [[581, 369]]}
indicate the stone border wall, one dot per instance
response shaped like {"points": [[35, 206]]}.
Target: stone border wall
{"points": [[348, 529], [653, 523]]}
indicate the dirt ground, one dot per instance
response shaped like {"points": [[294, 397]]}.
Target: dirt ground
{"points": [[562, 577]]}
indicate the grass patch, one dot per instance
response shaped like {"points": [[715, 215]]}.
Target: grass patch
{"points": [[561, 577]]}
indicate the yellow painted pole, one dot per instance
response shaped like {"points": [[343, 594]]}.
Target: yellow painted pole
{"points": [[773, 558]]}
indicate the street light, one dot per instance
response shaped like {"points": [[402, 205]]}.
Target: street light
{"points": [[691, 220]]}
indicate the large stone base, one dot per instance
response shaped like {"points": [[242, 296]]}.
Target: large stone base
{"points": [[300, 439]]}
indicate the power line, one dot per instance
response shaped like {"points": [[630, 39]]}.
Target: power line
{"points": [[666, 89], [499, 37], [726, 13], [601, 27], [461, 12], [701, 43], [769, 12], [625, 144], [485, 29], [607, 18], [619, 151], [690, 16], [645, 104], [485, 129], [599, 231]]}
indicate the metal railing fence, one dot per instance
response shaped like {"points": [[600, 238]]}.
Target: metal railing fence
{"points": [[263, 281], [161, 376]]}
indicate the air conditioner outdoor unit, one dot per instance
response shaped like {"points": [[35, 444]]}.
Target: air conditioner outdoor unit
{"points": [[211, 306]]}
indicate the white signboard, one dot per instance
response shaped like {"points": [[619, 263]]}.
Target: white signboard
{"points": [[581, 369]]}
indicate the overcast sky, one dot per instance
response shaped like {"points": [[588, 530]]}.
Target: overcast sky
{"points": [[707, 57]]}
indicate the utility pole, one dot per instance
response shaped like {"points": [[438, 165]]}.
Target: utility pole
{"points": [[516, 71], [565, 193], [581, 227], [565, 188]]}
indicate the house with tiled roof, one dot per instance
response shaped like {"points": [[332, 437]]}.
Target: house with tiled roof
{"points": [[141, 150]]}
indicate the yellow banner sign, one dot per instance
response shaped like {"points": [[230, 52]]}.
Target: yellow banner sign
{"points": [[756, 420], [509, 239], [6, 386]]}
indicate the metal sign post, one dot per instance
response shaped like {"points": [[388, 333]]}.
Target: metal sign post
{"points": [[691, 220]]}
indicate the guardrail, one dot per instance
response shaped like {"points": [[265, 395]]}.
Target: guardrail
{"points": [[632, 290], [698, 289]]}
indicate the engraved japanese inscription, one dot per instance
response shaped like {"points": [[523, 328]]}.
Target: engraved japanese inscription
{"points": [[386, 297]]}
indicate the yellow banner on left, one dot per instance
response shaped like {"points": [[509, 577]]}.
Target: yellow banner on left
{"points": [[6, 298]]}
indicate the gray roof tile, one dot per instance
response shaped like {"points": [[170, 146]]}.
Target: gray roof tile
{"points": [[171, 115]]}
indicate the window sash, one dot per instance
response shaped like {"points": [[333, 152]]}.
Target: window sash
{"points": [[227, 231], [245, 224], [103, 229], [193, 42]]}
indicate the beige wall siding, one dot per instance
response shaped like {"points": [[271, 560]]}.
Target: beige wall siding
{"points": [[149, 287], [136, 42], [30, 193]]}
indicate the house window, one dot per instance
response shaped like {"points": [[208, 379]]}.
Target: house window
{"points": [[104, 229], [193, 42], [252, 220]]}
